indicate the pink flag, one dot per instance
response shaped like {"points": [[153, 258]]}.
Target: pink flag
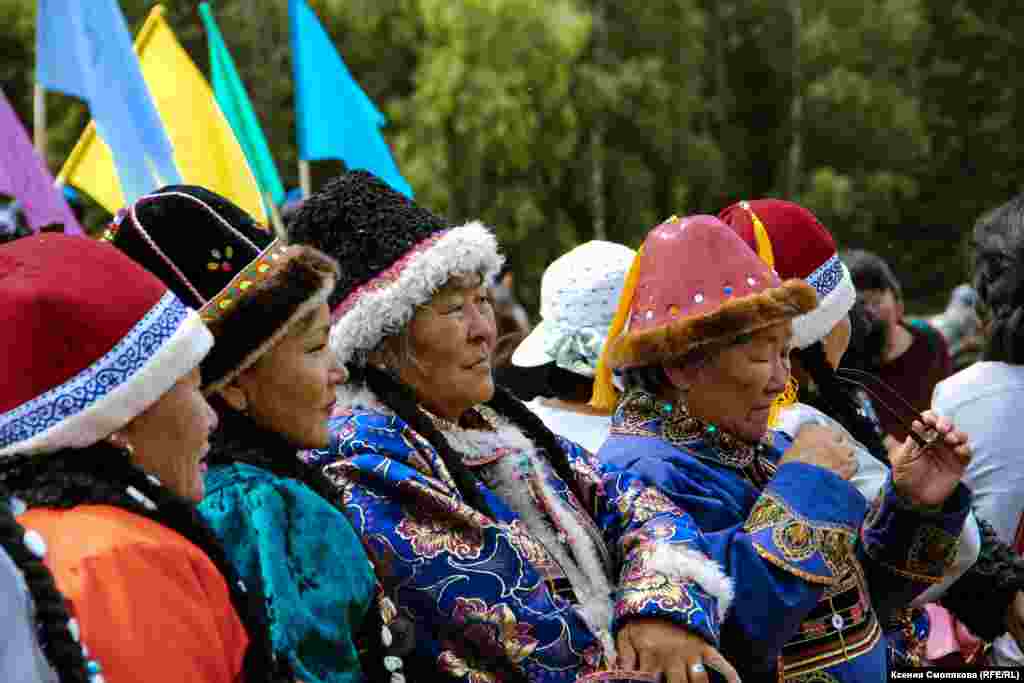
{"points": [[24, 176]]}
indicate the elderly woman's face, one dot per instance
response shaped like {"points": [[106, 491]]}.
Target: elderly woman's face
{"points": [[736, 388], [451, 339]]}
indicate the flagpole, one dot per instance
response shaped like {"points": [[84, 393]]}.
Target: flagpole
{"points": [[39, 120], [305, 178], [275, 217]]}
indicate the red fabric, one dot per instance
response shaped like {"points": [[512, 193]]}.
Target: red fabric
{"points": [[800, 244], [150, 604], [717, 267], [64, 302], [914, 375]]}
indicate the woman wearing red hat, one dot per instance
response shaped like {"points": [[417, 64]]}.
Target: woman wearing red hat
{"points": [[102, 430], [790, 238], [703, 357]]}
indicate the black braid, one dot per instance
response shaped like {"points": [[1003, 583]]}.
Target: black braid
{"points": [[239, 439], [51, 615], [402, 400], [837, 400], [100, 475]]}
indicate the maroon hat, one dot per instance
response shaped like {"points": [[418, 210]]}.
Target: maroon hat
{"points": [[788, 237], [96, 339]]}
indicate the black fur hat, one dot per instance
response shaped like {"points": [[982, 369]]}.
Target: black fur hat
{"points": [[394, 255]]}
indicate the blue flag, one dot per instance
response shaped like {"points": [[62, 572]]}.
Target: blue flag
{"points": [[84, 49], [334, 117]]}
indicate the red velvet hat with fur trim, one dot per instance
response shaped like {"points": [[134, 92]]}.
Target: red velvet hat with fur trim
{"points": [[789, 237], [695, 284], [90, 341]]}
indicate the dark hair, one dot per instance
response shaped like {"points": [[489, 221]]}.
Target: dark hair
{"points": [[998, 267], [548, 380], [837, 399], [870, 271], [867, 340], [62, 651], [401, 399], [102, 475]]}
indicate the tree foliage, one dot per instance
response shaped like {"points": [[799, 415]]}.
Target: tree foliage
{"points": [[896, 121]]}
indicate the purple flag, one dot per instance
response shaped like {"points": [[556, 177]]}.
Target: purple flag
{"points": [[24, 176]]}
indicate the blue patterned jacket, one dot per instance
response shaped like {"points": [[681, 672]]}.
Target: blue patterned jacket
{"points": [[476, 589], [813, 568]]}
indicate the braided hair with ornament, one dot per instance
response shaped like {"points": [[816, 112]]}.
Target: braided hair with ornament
{"points": [[57, 631]]}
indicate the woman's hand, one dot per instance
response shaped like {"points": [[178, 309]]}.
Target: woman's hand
{"points": [[823, 447], [928, 475], [660, 647]]}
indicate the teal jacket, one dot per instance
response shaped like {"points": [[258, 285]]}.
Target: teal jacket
{"points": [[302, 552]]}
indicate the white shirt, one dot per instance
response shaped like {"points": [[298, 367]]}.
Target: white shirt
{"points": [[985, 401], [589, 431]]}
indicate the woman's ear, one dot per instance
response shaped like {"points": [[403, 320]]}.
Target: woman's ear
{"points": [[682, 376], [234, 395]]}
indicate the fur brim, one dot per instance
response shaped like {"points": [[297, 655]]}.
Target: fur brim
{"points": [[687, 564], [266, 313], [387, 303], [816, 324], [732, 319]]}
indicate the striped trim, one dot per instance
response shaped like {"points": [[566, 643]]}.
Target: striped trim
{"points": [[258, 270]]}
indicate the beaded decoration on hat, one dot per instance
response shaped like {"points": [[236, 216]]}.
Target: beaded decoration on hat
{"points": [[248, 286], [693, 284]]}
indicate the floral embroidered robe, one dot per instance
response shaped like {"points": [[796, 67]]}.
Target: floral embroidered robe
{"points": [[482, 594], [811, 565]]}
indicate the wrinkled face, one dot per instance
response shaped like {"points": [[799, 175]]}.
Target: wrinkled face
{"points": [[837, 341], [451, 340], [171, 438], [290, 389], [882, 304], [735, 389]]}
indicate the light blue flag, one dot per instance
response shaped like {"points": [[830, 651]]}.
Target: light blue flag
{"points": [[84, 49], [334, 117]]}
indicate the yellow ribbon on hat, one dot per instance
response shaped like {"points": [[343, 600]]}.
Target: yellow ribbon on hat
{"points": [[764, 250], [605, 396], [764, 243]]}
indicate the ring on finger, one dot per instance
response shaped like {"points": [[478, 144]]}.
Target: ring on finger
{"points": [[698, 668]]}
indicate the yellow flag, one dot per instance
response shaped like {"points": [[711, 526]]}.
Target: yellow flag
{"points": [[205, 149]]}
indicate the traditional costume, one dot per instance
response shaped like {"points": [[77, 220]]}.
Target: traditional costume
{"points": [[279, 534], [813, 568], [534, 581]]}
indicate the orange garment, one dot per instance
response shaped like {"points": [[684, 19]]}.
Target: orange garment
{"points": [[151, 605]]}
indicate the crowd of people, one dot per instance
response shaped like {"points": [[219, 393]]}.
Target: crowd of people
{"points": [[345, 455]]}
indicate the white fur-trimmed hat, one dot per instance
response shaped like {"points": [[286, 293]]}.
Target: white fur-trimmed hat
{"points": [[579, 293], [90, 339], [790, 239], [394, 256]]}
